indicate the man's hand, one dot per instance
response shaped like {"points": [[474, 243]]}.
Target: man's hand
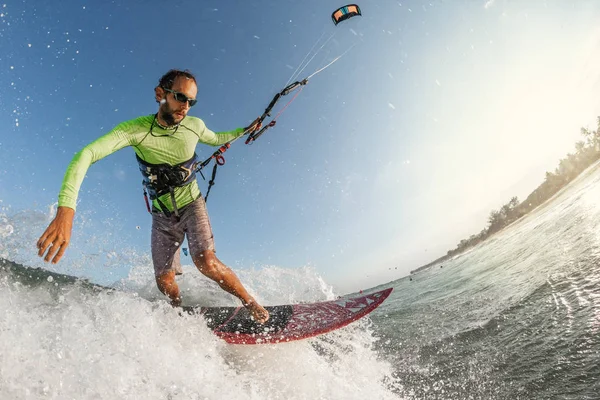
{"points": [[57, 235], [254, 126]]}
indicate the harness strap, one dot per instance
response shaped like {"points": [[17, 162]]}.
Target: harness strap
{"points": [[212, 180], [163, 208], [146, 199], [175, 210]]}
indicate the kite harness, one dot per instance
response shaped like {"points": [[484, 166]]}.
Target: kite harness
{"points": [[160, 179]]}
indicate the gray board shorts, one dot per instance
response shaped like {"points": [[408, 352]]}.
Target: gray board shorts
{"points": [[168, 234]]}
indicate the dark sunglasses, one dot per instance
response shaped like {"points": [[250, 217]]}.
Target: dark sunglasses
{"points": [[182, 98]]}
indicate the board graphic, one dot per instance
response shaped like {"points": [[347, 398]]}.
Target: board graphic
{"points": [[288, 322]]}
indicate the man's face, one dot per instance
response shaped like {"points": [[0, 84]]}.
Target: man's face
{"points": [[174, 111]]}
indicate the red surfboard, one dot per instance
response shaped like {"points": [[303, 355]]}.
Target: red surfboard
{"points": [[288, 322]]}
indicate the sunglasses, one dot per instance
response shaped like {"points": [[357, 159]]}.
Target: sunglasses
{"points": [[182, 98]]}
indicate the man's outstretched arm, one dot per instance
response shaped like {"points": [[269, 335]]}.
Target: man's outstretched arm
{"points": [[57, 236]]}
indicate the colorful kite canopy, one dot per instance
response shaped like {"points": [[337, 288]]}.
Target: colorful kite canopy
{"points": [[345, 12]]}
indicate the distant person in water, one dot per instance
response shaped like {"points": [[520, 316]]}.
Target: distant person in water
{"points": [[164, 144]]}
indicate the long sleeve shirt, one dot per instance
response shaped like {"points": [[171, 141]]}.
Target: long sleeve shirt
{"points": [[152, 144]]}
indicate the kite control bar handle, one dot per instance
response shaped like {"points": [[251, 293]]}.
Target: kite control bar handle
{"points": [[218, 155], [253, 136], [286, 90], [293, 86]]}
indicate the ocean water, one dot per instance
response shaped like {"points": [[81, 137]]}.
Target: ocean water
{"points": [[518, 317]]}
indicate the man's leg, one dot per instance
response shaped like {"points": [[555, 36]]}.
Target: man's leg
{"points": [[167, 236], [167, 285], [208, 263], [202, 248]]}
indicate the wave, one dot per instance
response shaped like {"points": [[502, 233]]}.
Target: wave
{"points": [[65, 337], [548, 336]]}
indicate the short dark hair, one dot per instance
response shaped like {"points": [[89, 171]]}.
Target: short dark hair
{"points": [[168, 79]]}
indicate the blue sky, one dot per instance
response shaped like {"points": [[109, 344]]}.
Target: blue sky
{"points": [[441, 112]]}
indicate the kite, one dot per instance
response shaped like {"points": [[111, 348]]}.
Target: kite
{"points": [[345, 12]]}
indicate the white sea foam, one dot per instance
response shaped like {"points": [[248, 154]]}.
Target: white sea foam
{"points": [[66, 341], [62, 340]]}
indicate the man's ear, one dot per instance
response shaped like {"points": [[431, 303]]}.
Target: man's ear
{"points": [[159, 94]]}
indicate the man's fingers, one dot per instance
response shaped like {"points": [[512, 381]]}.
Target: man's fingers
{"points": [[53, 249], [40, 241], [256, 124], [43, 244], [256, 127], [60, 253], [56, 251]]}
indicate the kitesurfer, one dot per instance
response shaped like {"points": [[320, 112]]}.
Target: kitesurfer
{"points": [[164, 144]]}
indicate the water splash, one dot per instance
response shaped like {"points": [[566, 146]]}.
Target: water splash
{"points": [[63, 339]]}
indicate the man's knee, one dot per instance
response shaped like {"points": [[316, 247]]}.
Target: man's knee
{"points": [[207, 263]]}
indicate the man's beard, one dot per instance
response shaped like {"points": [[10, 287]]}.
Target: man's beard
{"points": [[166, 114]]}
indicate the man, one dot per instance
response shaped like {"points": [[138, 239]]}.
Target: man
{"points": [[164, 145]]}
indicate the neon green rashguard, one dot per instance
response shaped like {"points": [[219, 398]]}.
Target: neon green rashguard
{"points": [[155, 146]]}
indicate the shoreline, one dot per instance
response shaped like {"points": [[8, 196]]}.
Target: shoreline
{"points": [[459, 252]]}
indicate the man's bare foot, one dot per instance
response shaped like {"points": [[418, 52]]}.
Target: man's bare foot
{"points": [[258, 312], [176, 302]]}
